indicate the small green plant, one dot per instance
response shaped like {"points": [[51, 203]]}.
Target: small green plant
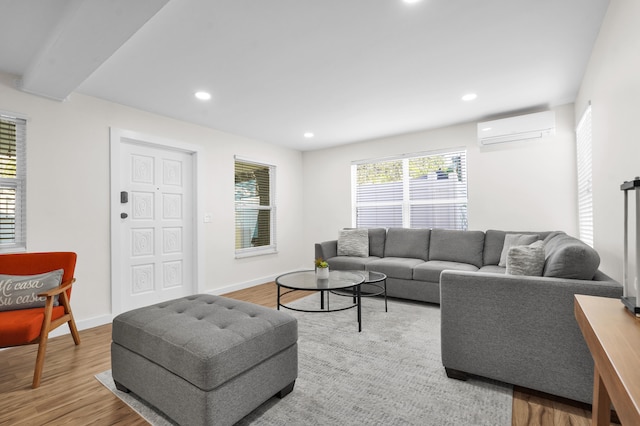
{"points": [[321, 263]]}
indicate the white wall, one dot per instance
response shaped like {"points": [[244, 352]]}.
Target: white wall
{"points": [[68, 192], [612, 84], [517, 186]]}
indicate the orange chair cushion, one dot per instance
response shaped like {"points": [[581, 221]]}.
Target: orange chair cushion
{"points": [[23, 325]]}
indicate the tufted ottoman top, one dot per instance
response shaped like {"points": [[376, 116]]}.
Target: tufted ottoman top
{"points": [[205, 339]]}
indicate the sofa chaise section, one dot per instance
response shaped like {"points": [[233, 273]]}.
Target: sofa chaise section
{"points": [[519, 330]]}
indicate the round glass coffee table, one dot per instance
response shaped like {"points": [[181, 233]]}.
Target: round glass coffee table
{"points": [[338, 280], [374, 284]]}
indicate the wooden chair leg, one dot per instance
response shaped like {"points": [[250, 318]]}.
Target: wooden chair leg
{"points": [[37, 374], [74, 331], [42, 346], [64, 300]]}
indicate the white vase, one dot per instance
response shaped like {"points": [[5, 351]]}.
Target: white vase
{"points": [[322, 273]]}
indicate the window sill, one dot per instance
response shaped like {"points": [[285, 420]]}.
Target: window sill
{"points": [[12, 249], [253, 252]]}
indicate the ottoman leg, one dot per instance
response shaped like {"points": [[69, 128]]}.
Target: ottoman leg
{"points": [[121, 387], [286, 390]]}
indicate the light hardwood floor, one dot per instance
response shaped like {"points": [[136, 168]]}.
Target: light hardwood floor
{"points": [[71, 395]]}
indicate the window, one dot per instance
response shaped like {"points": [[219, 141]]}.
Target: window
{"points": [[12, 183], [255, 209], [427, 190], [585, 198]]}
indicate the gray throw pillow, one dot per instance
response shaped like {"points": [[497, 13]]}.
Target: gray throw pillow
{"points": [[21, 291], [511, 240], [526, 260], [353, 242]]}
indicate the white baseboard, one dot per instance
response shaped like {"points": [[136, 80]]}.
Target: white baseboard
{"points": [[247, 284], [82, 325]]}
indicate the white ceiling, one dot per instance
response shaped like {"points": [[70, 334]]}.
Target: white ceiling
{"points": [[346, 70]]}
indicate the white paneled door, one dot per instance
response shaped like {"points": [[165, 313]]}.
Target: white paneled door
{"points": [[156, 224]]}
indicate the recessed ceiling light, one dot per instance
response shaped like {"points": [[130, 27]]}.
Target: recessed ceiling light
{"points": [[203, 96], [469, 97], [308, 135]]}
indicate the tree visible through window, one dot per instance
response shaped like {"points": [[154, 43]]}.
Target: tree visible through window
{"points": [[12, 183], [255, 211], [422, 191]]}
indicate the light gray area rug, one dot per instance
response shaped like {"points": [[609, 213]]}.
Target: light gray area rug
{"points": [[389, 374]]}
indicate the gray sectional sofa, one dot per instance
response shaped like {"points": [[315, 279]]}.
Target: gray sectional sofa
{"points": [[517, 329]]}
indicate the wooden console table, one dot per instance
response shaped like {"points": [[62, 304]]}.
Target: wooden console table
{"points": [[613, 337]]}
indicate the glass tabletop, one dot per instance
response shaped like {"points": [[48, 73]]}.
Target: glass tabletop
{"points": [[371, 276], [306, 280]]}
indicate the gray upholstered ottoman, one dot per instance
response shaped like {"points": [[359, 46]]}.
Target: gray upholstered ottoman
{"points": [[203, 359]]}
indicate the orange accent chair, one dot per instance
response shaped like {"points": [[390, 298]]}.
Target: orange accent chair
{"points": [[31, 326]]}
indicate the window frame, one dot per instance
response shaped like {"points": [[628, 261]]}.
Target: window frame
{"points": [[409, 218], [240, 206], [17, 184]]}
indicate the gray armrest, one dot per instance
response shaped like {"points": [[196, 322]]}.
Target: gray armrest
{"points": [[326, 249], [519, 329]]}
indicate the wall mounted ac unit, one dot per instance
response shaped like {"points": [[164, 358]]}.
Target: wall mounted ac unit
{"points": [[522, 127]]}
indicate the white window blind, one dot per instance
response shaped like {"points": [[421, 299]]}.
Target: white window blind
{"points": [[584, 160], [428, 190], [255, 208], [13, 227]]}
